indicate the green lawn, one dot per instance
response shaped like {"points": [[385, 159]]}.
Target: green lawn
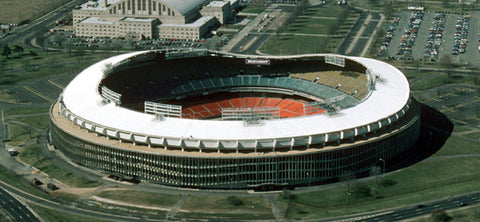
{"points": [[323, 12], [441, 79], [457, 145], [21, 67], [475, 135], [224, 207], [309, 33], [25, 111], [141, 198], [459, 129], [424, 181], [365, 4], [311, 26], [52, 215], [20, 135], [19, 183], [437, 177], [32, 155], [13, 12], [291, 44]]}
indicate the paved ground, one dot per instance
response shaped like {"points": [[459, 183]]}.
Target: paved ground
{"points": [[471, 54], [14, 208]]}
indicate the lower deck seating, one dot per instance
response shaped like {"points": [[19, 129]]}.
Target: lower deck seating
{"points": [[288, 107]]}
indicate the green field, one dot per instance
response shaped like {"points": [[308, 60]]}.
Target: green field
{"points": [[31, 151], [25, 111], [439, 80], [291, 44], [442, 175], [307, 25], [52, 215], [23, 66], [423, 182], [226, 207], [11, 11], [310, 33], [32, 155], [15, 181], [141, 198]]}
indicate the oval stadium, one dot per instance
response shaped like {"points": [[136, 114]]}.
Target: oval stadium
{"points": [[215, 120]]}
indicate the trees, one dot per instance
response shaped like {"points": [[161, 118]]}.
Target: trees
{"points": [[18, 49], [6, 51], [440, 216]]}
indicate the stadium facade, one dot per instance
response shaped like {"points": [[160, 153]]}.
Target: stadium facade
{"points": [[207, 119]]}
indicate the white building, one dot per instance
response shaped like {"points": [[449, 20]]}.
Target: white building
{"points": [[141, 19]]}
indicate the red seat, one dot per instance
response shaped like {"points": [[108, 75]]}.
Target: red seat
{"points": [[270, 102], [237, 102], [285, 103], [252, 101], [224, 104], [211, 106]]}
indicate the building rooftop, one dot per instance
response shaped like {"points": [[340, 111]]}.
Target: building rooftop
{"points": [[390, 95], [95, 20], [130, 19], [217, 3], [184, 7], [199, 22]]}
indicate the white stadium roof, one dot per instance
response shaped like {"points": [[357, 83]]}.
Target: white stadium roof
{"points": [[81, 97]]}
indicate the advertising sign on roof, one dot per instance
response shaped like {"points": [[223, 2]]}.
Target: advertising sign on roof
{"points": [[257, 61]]}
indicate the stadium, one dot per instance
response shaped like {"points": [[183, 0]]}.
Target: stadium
{"points": [[216, 120]]}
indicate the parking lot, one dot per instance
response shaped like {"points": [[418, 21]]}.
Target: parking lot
{"points": [[66, 39], [431, 36]]}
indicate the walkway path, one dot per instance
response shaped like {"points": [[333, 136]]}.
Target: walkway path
{"points": [[95, 192], [277, 213], [358, 35], [379, 24], [176, 207]]}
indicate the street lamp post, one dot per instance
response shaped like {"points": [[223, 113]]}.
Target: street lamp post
{"points": [[383, 164]]}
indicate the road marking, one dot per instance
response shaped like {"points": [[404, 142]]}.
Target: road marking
{"points": [[247, 46], [38, 94], [359, 33], [56, 84], [367, 46]]}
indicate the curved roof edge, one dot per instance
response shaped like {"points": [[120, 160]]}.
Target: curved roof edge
{"points": [[390, 96]]}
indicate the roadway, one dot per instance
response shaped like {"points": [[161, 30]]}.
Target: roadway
{"points": [[14, 208], [425, 208], [48, 20]]}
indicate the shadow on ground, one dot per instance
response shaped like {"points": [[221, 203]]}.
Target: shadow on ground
{"points": [[434, 131]]}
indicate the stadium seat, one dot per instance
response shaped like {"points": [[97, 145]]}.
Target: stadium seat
{"points": [[237, 102], [252, 101]]}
